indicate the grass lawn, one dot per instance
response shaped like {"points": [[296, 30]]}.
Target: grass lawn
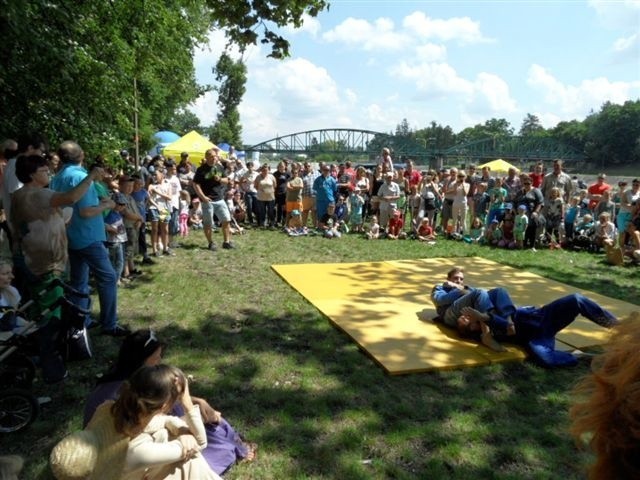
{"points": [[316, 405]]}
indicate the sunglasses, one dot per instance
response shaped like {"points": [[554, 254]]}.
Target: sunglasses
{"points": [[152, 338]]}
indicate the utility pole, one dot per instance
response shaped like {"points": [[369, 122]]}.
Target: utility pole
{"points": [[135, 122]]}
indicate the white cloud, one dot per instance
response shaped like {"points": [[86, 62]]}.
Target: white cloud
{"points": [[433, 79], [575, 101], [493, 92], [627, 49], [462, 29], [379, 35], [617, 14], [431, 52], [310, 25]]}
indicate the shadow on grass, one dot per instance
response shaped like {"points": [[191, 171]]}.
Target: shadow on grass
{"points": [[502, 421]]}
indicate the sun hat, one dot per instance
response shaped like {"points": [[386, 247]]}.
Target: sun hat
{"points": [[95, 453]]}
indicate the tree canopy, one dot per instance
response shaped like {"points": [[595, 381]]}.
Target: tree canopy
{"points": [[69, 67]]}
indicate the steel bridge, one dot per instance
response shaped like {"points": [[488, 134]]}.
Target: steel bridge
{"points": [[343, 141]]}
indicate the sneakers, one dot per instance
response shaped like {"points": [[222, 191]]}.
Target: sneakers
{"points": [[228, 246], [118, 331], [169, 252], [212, 247]]}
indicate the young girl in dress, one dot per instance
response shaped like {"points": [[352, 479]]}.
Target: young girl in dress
{"points": [[185, 200], [356, 202]]}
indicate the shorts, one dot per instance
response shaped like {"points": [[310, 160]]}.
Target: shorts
{"points": [[218, 208], [308, 203], [131, 247], [162, 216], [296, 205]]}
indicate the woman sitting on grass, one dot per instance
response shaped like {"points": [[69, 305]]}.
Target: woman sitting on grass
{"points": [[224, 445], [133, 438]]}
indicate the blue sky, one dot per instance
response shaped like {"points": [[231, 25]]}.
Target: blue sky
{"points": [[367, 64]]}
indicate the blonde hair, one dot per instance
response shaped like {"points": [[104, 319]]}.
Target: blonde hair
{"points": [[606, 415], [9, 293]]}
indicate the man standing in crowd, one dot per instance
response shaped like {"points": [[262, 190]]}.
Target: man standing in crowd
{"points": [[596, 190], [557, 178], [210, 183], [86, 236]]}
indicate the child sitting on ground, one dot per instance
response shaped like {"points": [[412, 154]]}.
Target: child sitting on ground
{"points": [[396, 224], [493, 234], [476, 233], [328, 224], [374, 229], [605, 231], [294, 227], [425, 231], [584, 232]]}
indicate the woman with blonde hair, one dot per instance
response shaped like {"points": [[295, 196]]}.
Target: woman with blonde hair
{"points": [[607, 415]]}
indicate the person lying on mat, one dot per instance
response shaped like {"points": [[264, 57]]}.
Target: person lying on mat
{"points": [[452, 297], [494, 312]]}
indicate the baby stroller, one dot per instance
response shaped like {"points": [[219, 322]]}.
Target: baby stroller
{"points": [[18, 349]]}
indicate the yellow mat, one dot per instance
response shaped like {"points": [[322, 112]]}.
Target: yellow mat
{"points": [[385, 308]]}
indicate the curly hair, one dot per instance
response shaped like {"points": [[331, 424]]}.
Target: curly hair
{"points": [[606, 415]]}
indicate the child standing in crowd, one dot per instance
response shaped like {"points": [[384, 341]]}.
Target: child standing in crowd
{"points": [[425, 231], [356, 202], [195, 214], [185, 200], [570, 217], [555, 215], [522, 222], [481, 201], [497, 194], [116, 235], [605, 205], [374, 229]]}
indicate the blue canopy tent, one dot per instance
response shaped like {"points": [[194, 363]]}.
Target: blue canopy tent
{"points": [[162, 138]]}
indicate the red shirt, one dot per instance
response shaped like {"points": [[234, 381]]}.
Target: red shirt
{"points": [[597, 189], [536, 179], [414, 177], [395, 226]]}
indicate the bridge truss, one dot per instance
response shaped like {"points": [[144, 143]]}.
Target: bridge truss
{"points": [[367, 143]]}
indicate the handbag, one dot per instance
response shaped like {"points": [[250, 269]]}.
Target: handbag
{"points": [[77, 344]]}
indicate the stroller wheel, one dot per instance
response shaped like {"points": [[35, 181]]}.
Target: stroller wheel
{"points": [[18, 408], [17, 371]]}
